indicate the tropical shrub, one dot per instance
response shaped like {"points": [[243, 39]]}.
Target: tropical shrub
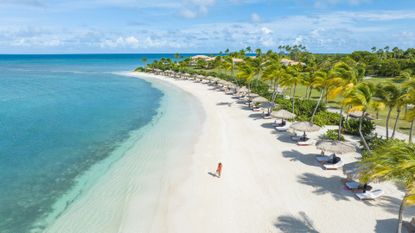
{"points": [[323, 118], [302, 108], [352, 127], [333, 135]]}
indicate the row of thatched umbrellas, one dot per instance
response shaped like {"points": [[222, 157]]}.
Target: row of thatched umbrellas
{"points": [[332, 146]]}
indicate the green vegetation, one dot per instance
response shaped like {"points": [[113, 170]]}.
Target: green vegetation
{"points": [[313, 82], [393, 160], [332, 135]]}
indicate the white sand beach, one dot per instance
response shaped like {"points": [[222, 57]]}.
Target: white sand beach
{"points": [[269, 184]]}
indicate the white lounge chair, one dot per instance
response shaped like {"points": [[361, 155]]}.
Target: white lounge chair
{"points": [[308, 142], [335, 166], [370, 195], [282, 128]]}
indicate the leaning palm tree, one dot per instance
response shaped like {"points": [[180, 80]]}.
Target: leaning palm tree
{"points": [[395, 161], [321, 82], [388, 94], [343, 78], [292, 78], [360, 98], [272, 73]]}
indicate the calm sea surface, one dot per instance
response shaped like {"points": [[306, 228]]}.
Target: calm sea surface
{"points": [[60, 114]]}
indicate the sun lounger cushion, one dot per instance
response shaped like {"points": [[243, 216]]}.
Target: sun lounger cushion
{"points": [[283, 128], [352, 185], [333, 166], [323, 159], [370, 195]]}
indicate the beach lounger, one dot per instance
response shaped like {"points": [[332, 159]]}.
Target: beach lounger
{"points": [[308, 142], [370, 195], [335, 166], [282, 128], [352, 185], [324, 159]]}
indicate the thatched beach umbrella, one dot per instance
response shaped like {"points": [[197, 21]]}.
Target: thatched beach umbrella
{"points": [[336, 147], [259, 99], [305, 126], [283, 115]]}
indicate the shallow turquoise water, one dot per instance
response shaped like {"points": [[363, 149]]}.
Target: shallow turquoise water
{"points": [[58, 116]]}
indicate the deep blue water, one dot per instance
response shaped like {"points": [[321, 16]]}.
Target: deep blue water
{"points": [[60, 114]]}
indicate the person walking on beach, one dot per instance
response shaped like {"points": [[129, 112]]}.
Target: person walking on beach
{"points": [[219, 170]]}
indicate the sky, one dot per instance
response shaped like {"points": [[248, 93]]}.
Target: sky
{"points": [[205, 26]]}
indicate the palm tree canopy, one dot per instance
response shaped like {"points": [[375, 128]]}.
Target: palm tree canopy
{"points": [[360, 97], [395, 160]]}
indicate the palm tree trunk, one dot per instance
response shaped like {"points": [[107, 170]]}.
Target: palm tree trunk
{"points": [[318, 103], [306, 92], [361, 134], [387, 122], [309, 93], [410, 131], [401, 207], [295, 87], [340, 124], [396, 122]]}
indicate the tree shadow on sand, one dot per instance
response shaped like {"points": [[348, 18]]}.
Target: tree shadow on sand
{"points": [[387, 226], [391, 204], [307, 159], [291, 224], [323, 185]]}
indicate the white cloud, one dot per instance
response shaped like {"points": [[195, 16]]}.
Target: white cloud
{"points": [[196, 8], [255, 18]]}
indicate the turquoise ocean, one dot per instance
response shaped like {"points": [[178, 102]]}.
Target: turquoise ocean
{"points": [[60, 115]]}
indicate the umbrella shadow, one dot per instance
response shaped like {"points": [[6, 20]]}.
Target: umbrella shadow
{"points": [[326, 185], [269, 125], [225, 104], [292, 224], [307, 159], [285, 137], [256, 116], [387, 225]]}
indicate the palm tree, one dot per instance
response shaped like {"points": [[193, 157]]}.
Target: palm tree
{"points": [[393, 161], [378, 106], [389, 94], [343, 78], [273, 71], [360, 98], [292, 78], [321, 82], [399, 103], [411, 118]]}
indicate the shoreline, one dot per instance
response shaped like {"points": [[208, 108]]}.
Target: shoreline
{"points": [[268, 184], [137, 176]]}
